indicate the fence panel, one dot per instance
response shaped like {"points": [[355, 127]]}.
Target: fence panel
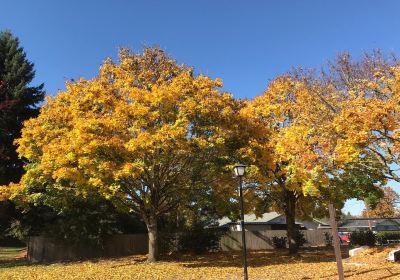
{"points": [[44, 249], [262, 240]]}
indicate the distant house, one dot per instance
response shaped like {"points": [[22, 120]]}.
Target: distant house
{"points": [[268, 221], [375, 224]]}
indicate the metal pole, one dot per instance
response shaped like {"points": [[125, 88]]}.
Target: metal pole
{"points": [[335, 235], [368, 216], [244, 250]]}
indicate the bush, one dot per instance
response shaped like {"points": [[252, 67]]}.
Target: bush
{"points": [[168, 242], [196, 239], [299, 238], [200, 240], [328, 239], [383, 236], [362, 238], [279, 242]]}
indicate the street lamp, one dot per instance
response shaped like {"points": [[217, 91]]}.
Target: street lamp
{"points": [[239, 170]]}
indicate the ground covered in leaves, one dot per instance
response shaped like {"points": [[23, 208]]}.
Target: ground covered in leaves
{"points": [[310, 264]]}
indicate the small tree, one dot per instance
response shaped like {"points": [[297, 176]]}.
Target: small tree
{"points": [[385, 207]]}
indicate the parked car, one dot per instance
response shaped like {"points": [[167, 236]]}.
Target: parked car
{"points": [[344, 237]]}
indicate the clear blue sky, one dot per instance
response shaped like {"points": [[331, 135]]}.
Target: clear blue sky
{"points": [[246, 43]]}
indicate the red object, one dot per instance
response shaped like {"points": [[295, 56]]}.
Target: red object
{"points": [[344, 238]]}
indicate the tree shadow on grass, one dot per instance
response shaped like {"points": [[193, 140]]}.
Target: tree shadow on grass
{"points": [[10, 263], [120, 261], [359, 273], [255, 258]]}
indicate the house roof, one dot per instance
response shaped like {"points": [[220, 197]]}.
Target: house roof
{"points": [[266, 218], [321, 223], [365, 223], [270, 218]]}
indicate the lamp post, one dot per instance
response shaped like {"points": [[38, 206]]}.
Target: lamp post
{"points": [[239, 170]]}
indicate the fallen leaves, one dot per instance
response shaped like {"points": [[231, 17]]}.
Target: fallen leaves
{"points": [[310, 264]]}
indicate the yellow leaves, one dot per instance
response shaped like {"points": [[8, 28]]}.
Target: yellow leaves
{"points": [[286, 140], [263, 265], [66, 173], [96, 182], [129, 170], [105, 132], [293, 142], [7, 192], [71, 157], [345, 152], [309, 188]]}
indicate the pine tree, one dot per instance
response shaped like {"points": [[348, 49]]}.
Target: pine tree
{"points": [[18, 102]]}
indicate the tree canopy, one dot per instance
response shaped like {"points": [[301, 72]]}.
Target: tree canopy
{"points": [[142, 133], [151, 137]]}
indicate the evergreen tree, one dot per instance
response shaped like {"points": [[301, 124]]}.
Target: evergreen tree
{"points": [[18, 102]]}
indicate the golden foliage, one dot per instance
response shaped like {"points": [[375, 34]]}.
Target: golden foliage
{"points": [[290, 137], [262, 265], [133, 133], [386, 207]]}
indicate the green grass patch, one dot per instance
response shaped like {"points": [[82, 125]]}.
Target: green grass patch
{"points": [[8, 253]]}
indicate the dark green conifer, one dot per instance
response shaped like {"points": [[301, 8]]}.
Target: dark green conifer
{"points": [[18, 102]]}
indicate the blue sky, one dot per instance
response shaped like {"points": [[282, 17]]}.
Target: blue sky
{"points": [[246, 43]]}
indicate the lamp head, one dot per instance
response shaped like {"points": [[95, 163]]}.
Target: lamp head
{"points": [[239, 169]]}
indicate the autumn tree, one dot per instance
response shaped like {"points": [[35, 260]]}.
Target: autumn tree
{"points": [[369, 116], [143, 133], [386, 206], [281, 149], [296, 153]]}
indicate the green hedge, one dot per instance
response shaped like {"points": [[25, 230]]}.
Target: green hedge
{"points": [[383, 236], [362, 238]]}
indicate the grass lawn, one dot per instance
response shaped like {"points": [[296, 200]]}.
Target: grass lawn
{"points": [[311, 264], [10, 253]]}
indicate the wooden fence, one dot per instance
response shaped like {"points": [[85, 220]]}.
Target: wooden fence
{"points": [[262, 240], [44, 249]]}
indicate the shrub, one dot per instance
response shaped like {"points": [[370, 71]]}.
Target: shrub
{"points": [[168, 242], [328, 239], [299, 238], [279, 242], [362, 238], [200, 240], [197, 238], [383, 236]]}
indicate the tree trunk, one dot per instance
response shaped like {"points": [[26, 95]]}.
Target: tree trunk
{"points": [[153, 239], [290, 213]]}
